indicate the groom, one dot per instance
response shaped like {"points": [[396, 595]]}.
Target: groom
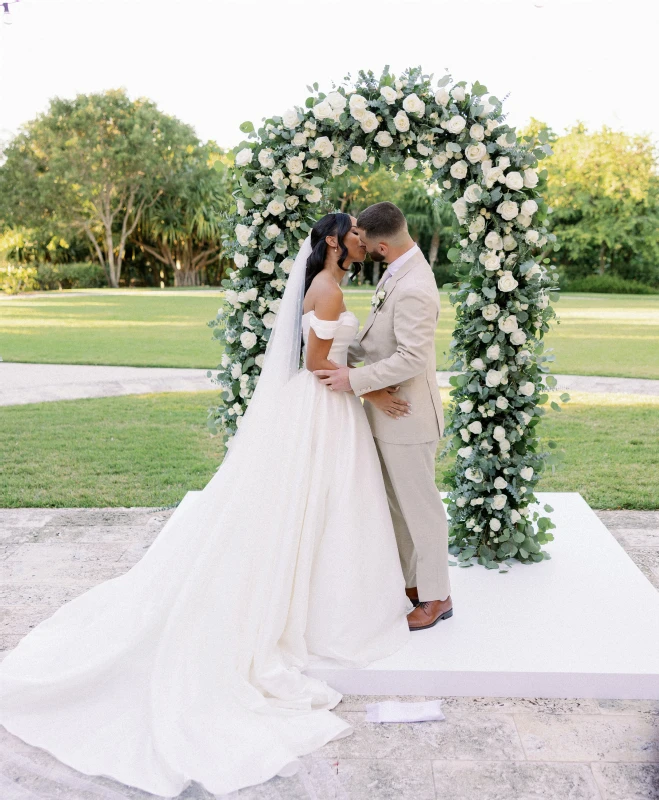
{"points": [[397, 344]]}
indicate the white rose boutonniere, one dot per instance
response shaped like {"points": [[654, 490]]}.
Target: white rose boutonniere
{"points": [[378, 299]]}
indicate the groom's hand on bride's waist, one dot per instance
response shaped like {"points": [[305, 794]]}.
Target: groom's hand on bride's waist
{"points": [[335, 379]]}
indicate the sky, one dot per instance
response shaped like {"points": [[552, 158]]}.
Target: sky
{"points": [[216, 63]]}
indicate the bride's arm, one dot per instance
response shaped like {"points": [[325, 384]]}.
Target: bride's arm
{"points": [[327, 309]]}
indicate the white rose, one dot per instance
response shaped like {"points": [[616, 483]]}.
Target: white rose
{"points": [[323, 110], [493, 352], [266, 158], [477, 363], [475, 152], [492, 175], [410, 163], [272, 232], [503, 142], [502, 403], [532, 272], [248, 339], [524, 220], [388, 93], [244, 157], [477, 132], [514, 181], [507, 282], [495, 525], [291, 118], [465, 434], [465, 452], [240, 260], [456, 124], [490, 312], [266, 266], [472, 298], [529, 207], [473, 193], [504, 162], [236, 371], [543, 301], [439, 160], [402, 122], [251, 294], [369, 122], [300, 139], [526, 473], [442, 97], [499, 433], [466, 406], [315, 195], [459, 169], [312, 163], [358, 155], [338, 168], [357, 103], [493, 241], [277, 177], [458, 94], [475, 427], [269, 319], [295, 165], [504, 445], [287, 265], [526, 389], [260, 360], [517, 337], [530, 178], [384, 139], [460, 209], [323, 146], [461, 502], [414, 105], [509, 242], [500, 483], [508, 209], [336, 100], [499, 502], [508, 324], [474, 475], [490, 261], [522, 356], [292, 201], [423, 150], [515, 516], [493, 378], [276, 207], [243, 234]]}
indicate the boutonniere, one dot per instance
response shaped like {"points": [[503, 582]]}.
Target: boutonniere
{"points": [[378, 299]]}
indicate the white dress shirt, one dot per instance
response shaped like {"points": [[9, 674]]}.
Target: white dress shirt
{"points": [[395, 265]]}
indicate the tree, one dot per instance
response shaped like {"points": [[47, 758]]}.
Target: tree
{"points": [[93, 165], [183, 228], [603, 188]]}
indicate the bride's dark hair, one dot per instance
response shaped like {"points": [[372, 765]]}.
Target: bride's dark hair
{"points": [[337, 224]]}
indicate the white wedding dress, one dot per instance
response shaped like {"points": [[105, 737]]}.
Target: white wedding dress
{"points": [[189, 667]]}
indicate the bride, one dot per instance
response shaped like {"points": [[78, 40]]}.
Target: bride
{"points": [[190, 666]]}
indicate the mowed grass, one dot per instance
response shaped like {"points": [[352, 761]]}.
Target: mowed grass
{"points": [[614, 335], [149, 450]]}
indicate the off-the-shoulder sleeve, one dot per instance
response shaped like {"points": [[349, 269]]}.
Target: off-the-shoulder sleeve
{"points": [[324, 328]]}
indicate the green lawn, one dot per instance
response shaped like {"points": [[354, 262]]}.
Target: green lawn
{"points": [[615, 335], [148, 450]]}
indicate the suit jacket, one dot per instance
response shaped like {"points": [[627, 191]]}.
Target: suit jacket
{"points": [[397, 345]]}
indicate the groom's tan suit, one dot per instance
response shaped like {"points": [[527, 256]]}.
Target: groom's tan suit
{"points": [[397, 345]]}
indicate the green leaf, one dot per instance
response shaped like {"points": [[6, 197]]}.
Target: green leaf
{"points": [[551, 381], [309, 102], [548, 508], [443, 81], [555, 406], [565, 397], [462, 380], [247, 127], [453, 254]]}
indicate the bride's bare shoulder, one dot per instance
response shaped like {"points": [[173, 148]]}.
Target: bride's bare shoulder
{"points": [[324, 297]]}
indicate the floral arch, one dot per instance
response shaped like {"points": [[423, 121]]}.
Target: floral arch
{"points": [[452, 136]]}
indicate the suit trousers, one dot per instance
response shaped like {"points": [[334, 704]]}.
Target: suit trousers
{"points": [[418, 515]]}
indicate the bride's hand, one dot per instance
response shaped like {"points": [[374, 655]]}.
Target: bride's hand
{"points": [[386, 401]]}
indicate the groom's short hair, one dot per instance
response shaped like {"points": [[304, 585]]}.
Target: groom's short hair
{"points": [[382, 219]]}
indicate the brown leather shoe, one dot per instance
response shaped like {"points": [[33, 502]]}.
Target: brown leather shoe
{"points": [[413, 595], [428, 613]]}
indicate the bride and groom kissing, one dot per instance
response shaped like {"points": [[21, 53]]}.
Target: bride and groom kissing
{"points": [[321, 536]]}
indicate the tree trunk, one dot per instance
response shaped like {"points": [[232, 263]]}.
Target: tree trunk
{"points": [[602, 265], [434, 249], [186, 277]]}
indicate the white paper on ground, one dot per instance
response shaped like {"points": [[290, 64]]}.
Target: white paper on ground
{"points": [[395, 711]]}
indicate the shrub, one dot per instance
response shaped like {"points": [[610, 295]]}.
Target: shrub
{"points": [[607, 284], [15, 278], [71, 276]]}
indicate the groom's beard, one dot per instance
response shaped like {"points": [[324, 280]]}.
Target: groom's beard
{"points": [[377, 257]]}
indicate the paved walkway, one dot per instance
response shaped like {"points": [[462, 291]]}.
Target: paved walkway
{"points": [[486, 749], [36, 383]]}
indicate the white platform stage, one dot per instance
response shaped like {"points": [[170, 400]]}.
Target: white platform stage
{"points": [[584, 624]]}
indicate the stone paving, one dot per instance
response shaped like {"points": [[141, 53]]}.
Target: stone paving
{"points": [[486, 749], [35, 383]]}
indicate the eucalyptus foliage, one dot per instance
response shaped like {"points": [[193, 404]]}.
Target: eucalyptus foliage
{"points": [[455, 138]]}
